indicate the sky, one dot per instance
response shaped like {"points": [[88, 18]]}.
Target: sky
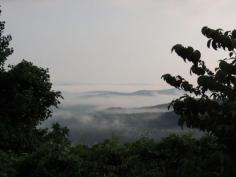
{"points": [[113, 41]]}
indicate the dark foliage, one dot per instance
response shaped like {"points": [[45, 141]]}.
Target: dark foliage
{"points": [[173, 156], [26, 100], [211, 105]]}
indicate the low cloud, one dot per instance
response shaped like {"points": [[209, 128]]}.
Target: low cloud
{"points": [[100, 125]]}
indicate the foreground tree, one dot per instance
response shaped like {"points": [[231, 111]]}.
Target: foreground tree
{"points": [[211, 105], [26, 99]]}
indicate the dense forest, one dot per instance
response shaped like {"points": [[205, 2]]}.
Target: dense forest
{"points": [[27, 98]]}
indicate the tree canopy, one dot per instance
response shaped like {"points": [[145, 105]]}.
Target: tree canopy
{"points": [[211, 105], [26, 100]]}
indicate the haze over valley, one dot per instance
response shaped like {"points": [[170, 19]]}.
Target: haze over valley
{"points": [[94, 115]]}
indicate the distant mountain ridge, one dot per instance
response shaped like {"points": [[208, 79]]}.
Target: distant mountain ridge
{"points": [[136, 93], [160, 106], [93, 116]]}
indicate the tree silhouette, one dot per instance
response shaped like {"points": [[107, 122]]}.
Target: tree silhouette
{"points": [[211, 105], [26, 99], [5, 50]]}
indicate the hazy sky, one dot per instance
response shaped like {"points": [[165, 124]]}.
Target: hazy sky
{"points": [[112, 41]]}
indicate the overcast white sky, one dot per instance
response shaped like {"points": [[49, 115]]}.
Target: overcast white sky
{"points": [[112, 41]]}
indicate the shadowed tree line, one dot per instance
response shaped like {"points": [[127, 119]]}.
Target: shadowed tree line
{"points": [[27, 99]]}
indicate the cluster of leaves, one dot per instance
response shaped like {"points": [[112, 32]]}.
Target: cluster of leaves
{"points": [[49, 144], [26, 100], [212, 103], [5, 50], [220, 39]]}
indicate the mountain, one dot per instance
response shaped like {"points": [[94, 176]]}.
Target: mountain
{"points": [[136, 93], [93, 116]]}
